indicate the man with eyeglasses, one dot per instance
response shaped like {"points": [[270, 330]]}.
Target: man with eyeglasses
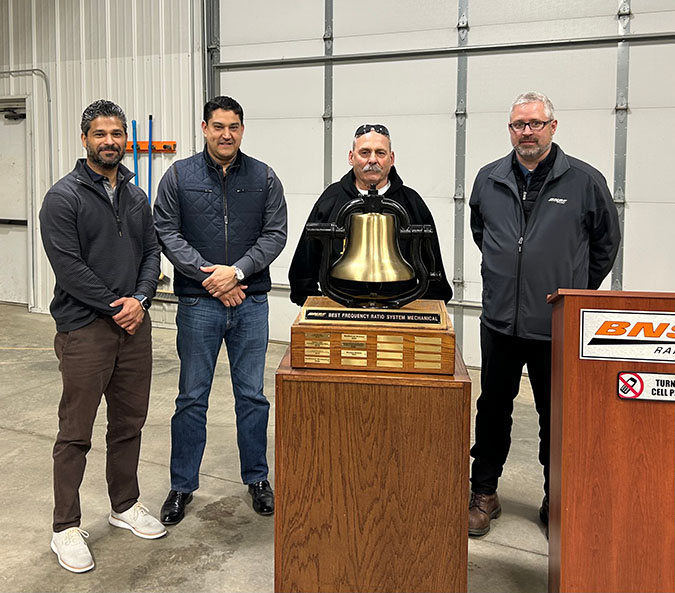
{"points": [[372, 161], [543, 220]]}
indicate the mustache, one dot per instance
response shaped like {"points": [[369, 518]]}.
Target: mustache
{"points": [[375, 168], [111, 147]]}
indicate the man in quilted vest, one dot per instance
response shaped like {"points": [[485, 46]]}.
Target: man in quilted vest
{"points": [[221, 220]]}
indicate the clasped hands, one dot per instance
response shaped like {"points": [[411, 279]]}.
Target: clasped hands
{"points": [[131, 315], [223, 285]]}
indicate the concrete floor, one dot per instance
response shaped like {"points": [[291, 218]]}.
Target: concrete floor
{"points": [[221, 545]]}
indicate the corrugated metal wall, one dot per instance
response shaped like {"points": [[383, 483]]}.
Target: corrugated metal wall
{"points": [[143, 54]]}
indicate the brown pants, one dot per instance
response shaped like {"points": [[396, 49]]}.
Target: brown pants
{"points": [[100, 358]]}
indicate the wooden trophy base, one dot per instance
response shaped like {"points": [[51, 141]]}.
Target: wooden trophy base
{"points": [[417, 338]]}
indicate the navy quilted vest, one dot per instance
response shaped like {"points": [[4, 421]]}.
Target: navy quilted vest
{"points": [[221, 216]]}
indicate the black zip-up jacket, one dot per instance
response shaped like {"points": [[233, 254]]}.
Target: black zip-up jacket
{"points": [[570, 241], [204, 218], [98, 254], [304, 271]]}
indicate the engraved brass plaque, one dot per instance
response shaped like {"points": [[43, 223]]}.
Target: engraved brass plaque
{"points": [[316, 352], [317, 343], [355, 362], [354, 354], [354, 338], [319, 336], [394, 364], [353, 344], [317, 360]]}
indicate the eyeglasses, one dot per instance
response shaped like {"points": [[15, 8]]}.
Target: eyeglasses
{"points": [[365, 128], [535, 125]]}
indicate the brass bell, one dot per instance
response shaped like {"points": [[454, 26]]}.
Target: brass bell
{"points": [[372, 253]]}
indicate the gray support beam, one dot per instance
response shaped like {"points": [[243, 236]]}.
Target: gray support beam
{"points": [[460, 171], [621, 133], [328, 95], [211, 48], [446, 52]]}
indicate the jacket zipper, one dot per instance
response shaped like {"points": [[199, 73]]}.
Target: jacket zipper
{"points": [[521, 240], [116, 214], [224, 186]]}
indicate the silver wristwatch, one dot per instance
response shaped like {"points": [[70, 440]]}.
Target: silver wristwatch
{"points": [[238, 273]]}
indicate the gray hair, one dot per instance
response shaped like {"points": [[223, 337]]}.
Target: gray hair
{"points": [[534, 97], [101, 108]]}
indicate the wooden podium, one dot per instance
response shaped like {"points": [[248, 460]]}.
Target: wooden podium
{"points": [[371, 479], [612, 477]]}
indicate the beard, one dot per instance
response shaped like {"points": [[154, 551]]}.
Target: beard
{"points": [[97, 158], [533, 152]]}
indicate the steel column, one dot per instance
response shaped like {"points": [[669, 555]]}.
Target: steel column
{"points": [[211, 48], [328, 95], [459, 198], [621, 134]]}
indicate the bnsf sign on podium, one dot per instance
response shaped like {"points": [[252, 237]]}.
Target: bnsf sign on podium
{"points": [[627, 335]]}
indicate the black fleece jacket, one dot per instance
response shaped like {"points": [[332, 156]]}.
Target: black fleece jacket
{"points": [[98, 253], [304, 271]]}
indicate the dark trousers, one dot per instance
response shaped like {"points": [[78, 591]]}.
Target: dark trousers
{"points": [[503, 359], [100, 358]]}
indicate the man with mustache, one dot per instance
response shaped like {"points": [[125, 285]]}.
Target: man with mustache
{"points": [[97, 231], [542, 220], [221, 219], [372, 161]]}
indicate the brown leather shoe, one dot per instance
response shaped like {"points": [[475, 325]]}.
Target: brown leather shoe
{"points": [[482, 508]]}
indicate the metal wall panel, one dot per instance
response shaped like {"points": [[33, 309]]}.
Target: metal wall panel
{"points": [[268, 29], [398, 24], [529, 20]]}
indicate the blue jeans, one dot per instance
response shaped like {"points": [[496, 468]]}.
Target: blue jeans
{"points": [[203, 323]]}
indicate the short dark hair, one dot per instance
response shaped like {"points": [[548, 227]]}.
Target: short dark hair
{"points": [[102, 108], [226, 103]]}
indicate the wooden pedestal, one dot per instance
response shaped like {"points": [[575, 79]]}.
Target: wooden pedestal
{"points": [[371, 480], [612, 499]]}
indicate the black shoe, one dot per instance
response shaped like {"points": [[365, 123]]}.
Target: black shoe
{"points": [[173, 509], [263, 497]]}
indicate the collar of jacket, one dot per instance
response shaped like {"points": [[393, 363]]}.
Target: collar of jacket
{"points": [[503, 172], [348, 182], [236, 163], [84, 177]]}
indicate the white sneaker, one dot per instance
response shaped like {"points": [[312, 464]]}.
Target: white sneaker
{"points": [[71, 549], [139, 520]]}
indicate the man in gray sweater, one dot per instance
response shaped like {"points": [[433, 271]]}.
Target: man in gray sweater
{"points": [[97, 231]]}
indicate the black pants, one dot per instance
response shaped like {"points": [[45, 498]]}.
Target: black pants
{"points": [[100, 358], [503, 359]]}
